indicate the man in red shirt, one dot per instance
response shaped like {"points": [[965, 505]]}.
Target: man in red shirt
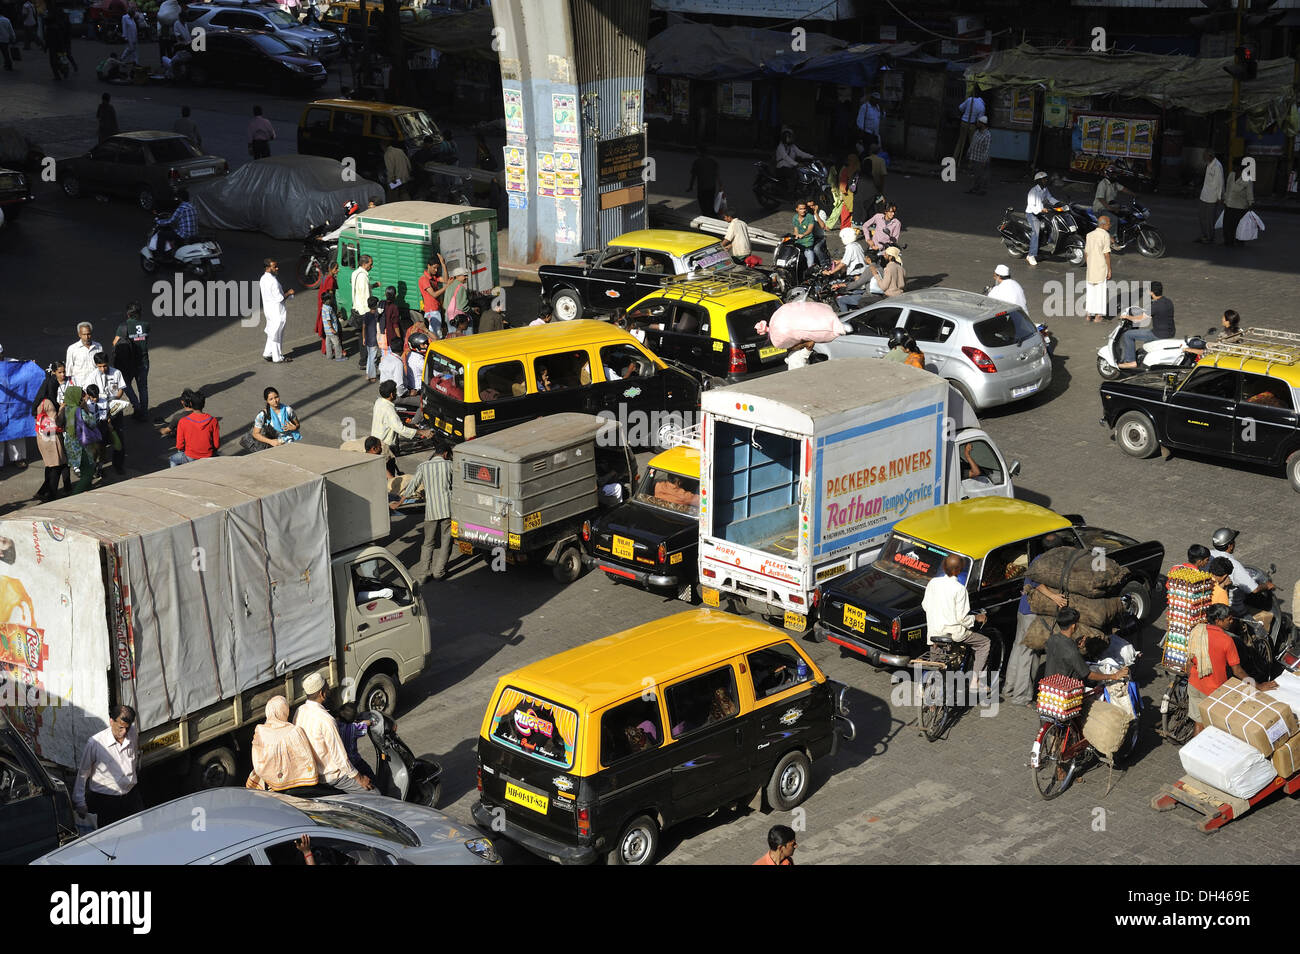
{"points": [[432, 285], [328, 283], [1211, 650], [197, 434], [780, 846]]}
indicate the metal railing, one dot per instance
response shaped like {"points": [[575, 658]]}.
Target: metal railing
{"points": [[697, 288], [1263, 344]]}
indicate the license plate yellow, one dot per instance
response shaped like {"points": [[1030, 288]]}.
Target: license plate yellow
{"points": [[622, 548], [766, 353], [795, 621], [530, 800], [855, 618], [711, 597]]}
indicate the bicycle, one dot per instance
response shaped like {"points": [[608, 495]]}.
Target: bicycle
{"points": [[1061, 752], [941, 701]]}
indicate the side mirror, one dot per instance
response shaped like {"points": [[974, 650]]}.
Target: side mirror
{"points": [[1014, 469]]}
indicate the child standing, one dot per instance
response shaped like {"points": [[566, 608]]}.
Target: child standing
{"points": [[330, 325]]}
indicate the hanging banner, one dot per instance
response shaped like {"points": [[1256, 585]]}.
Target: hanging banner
{"points": [[564, 117], [1091, 128]]}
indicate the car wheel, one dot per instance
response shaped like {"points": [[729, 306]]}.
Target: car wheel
{"points": [[214, 768], [146, 199], [566, 305], [1137, 435], [569, 566], [789, 783], [1293, 471], [1107, 370], [379, 694], [71, 186], [638, 844], [1137, 600]]}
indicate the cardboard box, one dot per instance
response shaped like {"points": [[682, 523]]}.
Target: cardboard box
{"points": [[1250, 715], [1286, 757]]}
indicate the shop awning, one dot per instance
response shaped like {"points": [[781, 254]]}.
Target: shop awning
{"points": [[1181, 82], [466, 34]]}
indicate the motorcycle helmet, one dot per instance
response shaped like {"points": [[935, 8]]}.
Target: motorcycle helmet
{"points": [[419, 342], [897, 337], [1112, 171], [351, 208], [1223, 536]]}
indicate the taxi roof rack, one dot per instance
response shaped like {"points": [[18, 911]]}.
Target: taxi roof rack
{"points": [[1264, 344], [685, 436], [706, 287]]}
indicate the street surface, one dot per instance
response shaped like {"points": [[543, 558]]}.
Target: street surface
{"points": [[888, 797]]}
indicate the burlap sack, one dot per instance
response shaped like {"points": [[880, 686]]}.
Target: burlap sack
{"points": [[1105, 725], [1099, 613], [1072, 569], [1037, 633]]}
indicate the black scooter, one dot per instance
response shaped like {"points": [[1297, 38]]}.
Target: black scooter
{"points": [[314, 261], [1061, 233], [398, 773], [772, 190]]}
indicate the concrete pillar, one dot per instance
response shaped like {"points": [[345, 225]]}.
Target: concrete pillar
{"points": [[572, 73]]}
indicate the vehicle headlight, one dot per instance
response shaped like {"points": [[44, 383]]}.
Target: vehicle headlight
{"points": [[483, 848]]}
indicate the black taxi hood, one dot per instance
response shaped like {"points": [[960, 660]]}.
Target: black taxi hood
{"points": [[646, 523], [875, 590], [1147, 381]]}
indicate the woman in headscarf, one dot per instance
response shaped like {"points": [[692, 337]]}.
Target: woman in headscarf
{"points": [[56, 380], [49, 438], [282, 754], [81, 438]]}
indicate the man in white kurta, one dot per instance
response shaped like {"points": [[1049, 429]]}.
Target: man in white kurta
{"points": [[273, 297], [947, 611]]}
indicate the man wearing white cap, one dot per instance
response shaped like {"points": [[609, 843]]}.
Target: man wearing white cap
{"points": [[1039, 198], [1007, 288], [332, 764]]}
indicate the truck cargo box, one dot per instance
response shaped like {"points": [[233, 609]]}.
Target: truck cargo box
{"points": [[356, 490]]}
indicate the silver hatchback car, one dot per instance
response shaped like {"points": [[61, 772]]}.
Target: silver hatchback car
{"points": [[987, 348]]}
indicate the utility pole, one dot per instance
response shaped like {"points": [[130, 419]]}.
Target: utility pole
{"points": [[1236, 145]]}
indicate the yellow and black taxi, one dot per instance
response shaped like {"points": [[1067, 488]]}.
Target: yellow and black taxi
{"points": [[478, 384], [602, 281], [594, 752], [718, 325], [346, 19], [876, 611], [1239, 403], [361, 130], [653, 539]]}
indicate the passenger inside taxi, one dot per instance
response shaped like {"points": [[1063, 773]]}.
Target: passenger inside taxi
{"points": [[672, 489]]}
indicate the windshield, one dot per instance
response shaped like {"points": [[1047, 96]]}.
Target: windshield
{"points": [[269, 44], [669, 491], [711, 258], [279, 17], [1005, 330], [362, 821], [417, 125], [173, 150], [536, 727], [916, 560], [444, 375]]}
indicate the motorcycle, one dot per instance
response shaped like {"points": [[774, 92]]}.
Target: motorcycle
{"points": [[1161, 353], [1129, 226], [772, 190], [317, 253], [199, 257], [398, 773], [1049, 339], [794, 280], [817, 286], [1060, 233]]}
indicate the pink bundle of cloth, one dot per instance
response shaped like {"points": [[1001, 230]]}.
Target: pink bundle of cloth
{"points": [[799, 321]]}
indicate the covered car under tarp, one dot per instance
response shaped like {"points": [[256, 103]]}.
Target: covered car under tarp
{"points": [[283, 196], [1198, 85]]}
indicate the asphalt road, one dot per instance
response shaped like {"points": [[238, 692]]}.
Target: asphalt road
{"points": [[888, 797]]}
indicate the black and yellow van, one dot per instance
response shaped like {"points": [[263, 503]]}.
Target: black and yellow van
{"points": [[594, 752], [478, 384], [361, 131]]}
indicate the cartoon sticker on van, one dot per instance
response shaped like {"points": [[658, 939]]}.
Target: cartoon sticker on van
{"points": [[535, 727]]}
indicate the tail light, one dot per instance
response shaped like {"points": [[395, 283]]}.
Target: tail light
{"points": [[711, 574], [662, 554], [586, 531], [584, 821], [479, 778], [736, 361], [893, 630], [980, 360], [173, 173], [796, 598]]}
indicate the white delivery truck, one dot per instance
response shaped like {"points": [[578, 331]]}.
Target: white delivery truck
{"points": [[197, 593], [804, 473]]}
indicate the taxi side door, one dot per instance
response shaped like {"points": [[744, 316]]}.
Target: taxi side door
{"points": [[1267, 426], [790, 710], [709, 740], [1201, 413]]}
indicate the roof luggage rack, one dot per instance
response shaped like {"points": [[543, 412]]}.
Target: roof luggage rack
{"points": [[685, 436], [1263, 344], [697, 288]]}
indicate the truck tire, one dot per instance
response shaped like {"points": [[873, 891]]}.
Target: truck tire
{"points": [[790, 782], [214, 767], [637, 844], [378, 694], [1136, 435], [568, 566]]}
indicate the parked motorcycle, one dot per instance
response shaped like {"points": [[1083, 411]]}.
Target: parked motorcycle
{"points": [[772, 190], [398, 773], [1049, 340], [1129, 226], [200, 257], [1161, 353], [1060, 233], [317, 253]]}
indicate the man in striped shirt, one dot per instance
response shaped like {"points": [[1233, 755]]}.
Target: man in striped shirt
{"points": [[434, 477], [978, 154]]}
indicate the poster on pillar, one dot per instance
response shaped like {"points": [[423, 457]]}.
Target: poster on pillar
{"points": [[546, 174], [564, 118], [516, 170], [514, 104], [565, 214], [681, 97], [631, 101], [568, 174]]}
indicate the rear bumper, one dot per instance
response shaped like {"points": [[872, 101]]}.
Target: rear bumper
{"points": [[563, 854], [873, 654], [1000, 391], [643, 577]]}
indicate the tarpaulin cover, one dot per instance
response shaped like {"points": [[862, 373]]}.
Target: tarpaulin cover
{"points": [[1197, 85], [19, 383], [13, 148], [283, 196], [459, 34], [223, 581]]}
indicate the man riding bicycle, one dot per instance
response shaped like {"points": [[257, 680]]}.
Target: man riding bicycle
{"points": [[1065, 651], [947, 613]]}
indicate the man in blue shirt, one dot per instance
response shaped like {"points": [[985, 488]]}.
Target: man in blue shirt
{"points": [[180, 227], [1019, 688]]}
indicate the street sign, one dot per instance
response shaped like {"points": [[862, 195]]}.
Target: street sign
{"points": [[618, 160]]}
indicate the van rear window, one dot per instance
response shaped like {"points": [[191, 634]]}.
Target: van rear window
{"points": [[444, 375], [743, 322], [536, 727]]}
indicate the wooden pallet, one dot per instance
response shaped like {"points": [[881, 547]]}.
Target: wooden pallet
{"points": [[1218, 808]]}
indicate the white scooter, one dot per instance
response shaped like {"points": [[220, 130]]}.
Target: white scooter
{"points": [[200, 257], [1161, 353]]}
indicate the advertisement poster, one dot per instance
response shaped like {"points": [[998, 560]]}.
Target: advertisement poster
{"points": [[681, 97], [568, 185], [1022, 107], [514, 101], [535, 726], [1055, 109], [1115, 139], [545, 174], [1140, 133], [564, 117], [516, 169], [1091, 127], [742, 99], [631, 113]]}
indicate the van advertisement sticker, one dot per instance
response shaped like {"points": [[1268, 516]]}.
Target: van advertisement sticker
{"points": [[535, 727]]}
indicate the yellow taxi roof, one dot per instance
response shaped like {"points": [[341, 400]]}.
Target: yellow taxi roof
{"points": [[673, 241], [607, 670], [365, 106], [1290, 373], [727, 297], [679, 460], [512, 342], [974, 527]]}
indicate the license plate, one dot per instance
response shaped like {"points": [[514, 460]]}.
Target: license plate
{"points": [[216, 261], [622, 548], [464, 547], [710, 596], [795, 621], [766, 353], [855, 618], [1021, 392], [530, 800], [195, 173]]}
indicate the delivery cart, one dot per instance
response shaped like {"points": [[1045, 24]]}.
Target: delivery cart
{"points": [[1217, 808]]}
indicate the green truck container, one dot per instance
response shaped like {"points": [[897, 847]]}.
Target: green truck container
{"points": [[402, 237]]}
